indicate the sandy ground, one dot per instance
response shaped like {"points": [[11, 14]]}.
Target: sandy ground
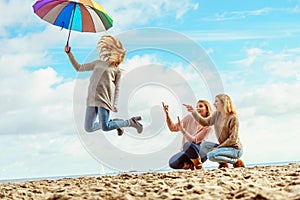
{"points": [[264, 182]]}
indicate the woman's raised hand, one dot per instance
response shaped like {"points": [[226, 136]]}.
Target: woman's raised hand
{"points": [[189, 107], [165, 107], [67, 49]]}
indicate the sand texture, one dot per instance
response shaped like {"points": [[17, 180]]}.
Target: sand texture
{"points": [[264, 182]]}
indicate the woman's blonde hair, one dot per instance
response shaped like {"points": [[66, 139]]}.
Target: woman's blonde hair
{"points": [[228, 105], [111, 50]]}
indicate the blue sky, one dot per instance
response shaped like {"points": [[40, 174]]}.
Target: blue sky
{"points": [[252, 44]]}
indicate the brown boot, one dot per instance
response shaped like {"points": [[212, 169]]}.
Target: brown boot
{"points": [[120, 131], [135, 124], [197, 163], [192, 167], [187, 165], [223, 165], [239, 163], [137, 118]]}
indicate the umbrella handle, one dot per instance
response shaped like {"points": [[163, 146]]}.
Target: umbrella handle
{"points": [[71, 24], [68, 38]]}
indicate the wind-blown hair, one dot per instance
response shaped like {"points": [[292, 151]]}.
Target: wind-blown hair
{"points": [[228, 105], [111, 50]]}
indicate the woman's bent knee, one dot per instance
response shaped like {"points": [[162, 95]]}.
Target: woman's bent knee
{"points": [[211, 156], [88, 129], [105, 127]]}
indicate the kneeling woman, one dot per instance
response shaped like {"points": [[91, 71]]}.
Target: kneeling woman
{"points": [[226, 125], [190, 156]]}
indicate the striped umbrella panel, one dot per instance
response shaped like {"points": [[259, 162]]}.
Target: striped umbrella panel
{"points": [[88, 16]]}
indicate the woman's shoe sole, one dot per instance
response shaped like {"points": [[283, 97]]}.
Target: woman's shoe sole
{"points": [[137, 118]]}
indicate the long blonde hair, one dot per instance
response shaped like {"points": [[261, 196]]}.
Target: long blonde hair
{"points": [[111, 50], [228, 105]]}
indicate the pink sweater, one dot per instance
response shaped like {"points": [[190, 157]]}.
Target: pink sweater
{"points": [[198, 132]]}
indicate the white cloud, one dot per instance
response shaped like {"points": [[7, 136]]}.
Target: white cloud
{"points": [[283, 64], [34, 98], [285, 69], [137, 61], [273, 100], [131, 13], [253, 54], [16, 14], [31, 103], [276, 75], [269, 122], [234, 15], [180, 75], [270, 139], [238, 15]]}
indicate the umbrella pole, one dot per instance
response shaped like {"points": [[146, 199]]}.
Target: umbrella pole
{"points": [[71, 24]]}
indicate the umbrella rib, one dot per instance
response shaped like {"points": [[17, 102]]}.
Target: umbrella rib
{"points": [[71, 23]]}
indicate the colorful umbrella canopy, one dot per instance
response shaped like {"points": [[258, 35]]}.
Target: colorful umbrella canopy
{"points": [[78, 15]]}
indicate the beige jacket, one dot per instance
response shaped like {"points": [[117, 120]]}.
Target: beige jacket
{"points": [[226, 129], [103, 90]]}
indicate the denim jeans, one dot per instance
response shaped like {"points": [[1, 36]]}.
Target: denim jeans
{"points": [[91, 125], [193, 151], [177, 161], [222, 154]]}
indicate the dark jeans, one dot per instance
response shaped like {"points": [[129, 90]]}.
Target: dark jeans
{"points": [[190, 151]]}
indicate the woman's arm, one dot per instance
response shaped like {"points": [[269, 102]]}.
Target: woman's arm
{"points": [[72, 59], [202, 133], [172, 126], [198, 117], [75, 64], [185, 134]]}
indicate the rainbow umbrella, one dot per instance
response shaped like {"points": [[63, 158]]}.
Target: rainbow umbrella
{"points": [[78, 15]]}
